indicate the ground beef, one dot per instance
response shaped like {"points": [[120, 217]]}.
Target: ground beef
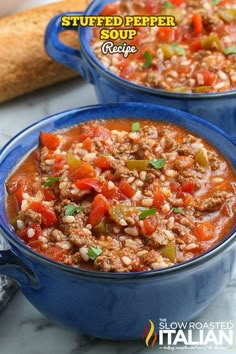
{"points": [[79, 220], [112, 261], [157, 239], [212, 203], [82, 237], [32, 216], [185, 150], [210, 22]]}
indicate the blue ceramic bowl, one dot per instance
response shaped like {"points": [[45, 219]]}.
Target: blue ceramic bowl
{"points": [[114, 305], [218, 108]]}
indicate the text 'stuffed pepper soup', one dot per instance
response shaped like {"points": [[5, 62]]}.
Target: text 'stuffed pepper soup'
{"points": [[196, 56], [122, 196]]}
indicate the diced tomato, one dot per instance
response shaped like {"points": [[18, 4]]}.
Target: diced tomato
{"points": [[56, 253], [197, 23], [100, 200], [48, 216], [183, 162], [188, 187], [57, 167], [37, 232], [127, 189], [96, 215], [89, 183], [151, 7], [159, 199], [88, 133], [196, 44], [58, 164], [100, 207], [87, 144], [48, 195], [51, 141], [23, 186], [103, 162], [112, 193], [177, 2], [166, 34], [149, 225], [204, 231], [177, 189], [35, 244], [174, 187], [109, 10], [208, 76], [85, 170], [224, 2]]}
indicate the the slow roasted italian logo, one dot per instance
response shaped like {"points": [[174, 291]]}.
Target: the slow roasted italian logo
{"points": [[149, 334]]}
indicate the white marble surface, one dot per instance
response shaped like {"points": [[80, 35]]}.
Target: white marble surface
{"points": [[23, 330]]}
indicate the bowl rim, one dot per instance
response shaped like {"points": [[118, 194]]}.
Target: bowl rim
{"points": [[8, 234], [87, 51]]}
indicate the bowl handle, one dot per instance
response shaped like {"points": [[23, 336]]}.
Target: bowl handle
{"points": [[61, 52], [14, 268]]}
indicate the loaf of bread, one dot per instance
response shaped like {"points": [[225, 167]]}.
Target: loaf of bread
{"points": [[24, 64]]}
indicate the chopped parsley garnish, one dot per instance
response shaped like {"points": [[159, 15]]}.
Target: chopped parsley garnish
{"points": [[148, 56], [71, 209], [50, 181], [178, 210], [147, 213], [167, 5], [230, 50], [179, 50], [135, 127], [158, 164], [94, 252], [119, 44], [215, 2]]}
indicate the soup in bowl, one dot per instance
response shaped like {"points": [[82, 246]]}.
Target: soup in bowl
{"points": [[189, 67], [106, 206], [122, 196]]}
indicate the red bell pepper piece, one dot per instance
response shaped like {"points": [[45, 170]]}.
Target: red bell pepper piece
{"points": [[100, 207], [103, 162], [197, 23], [89, 183], [56, 253], [51, 141], [204, 231], [149, 225], [188, 187], [159, 199], [37, 232], [127, 189]]}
